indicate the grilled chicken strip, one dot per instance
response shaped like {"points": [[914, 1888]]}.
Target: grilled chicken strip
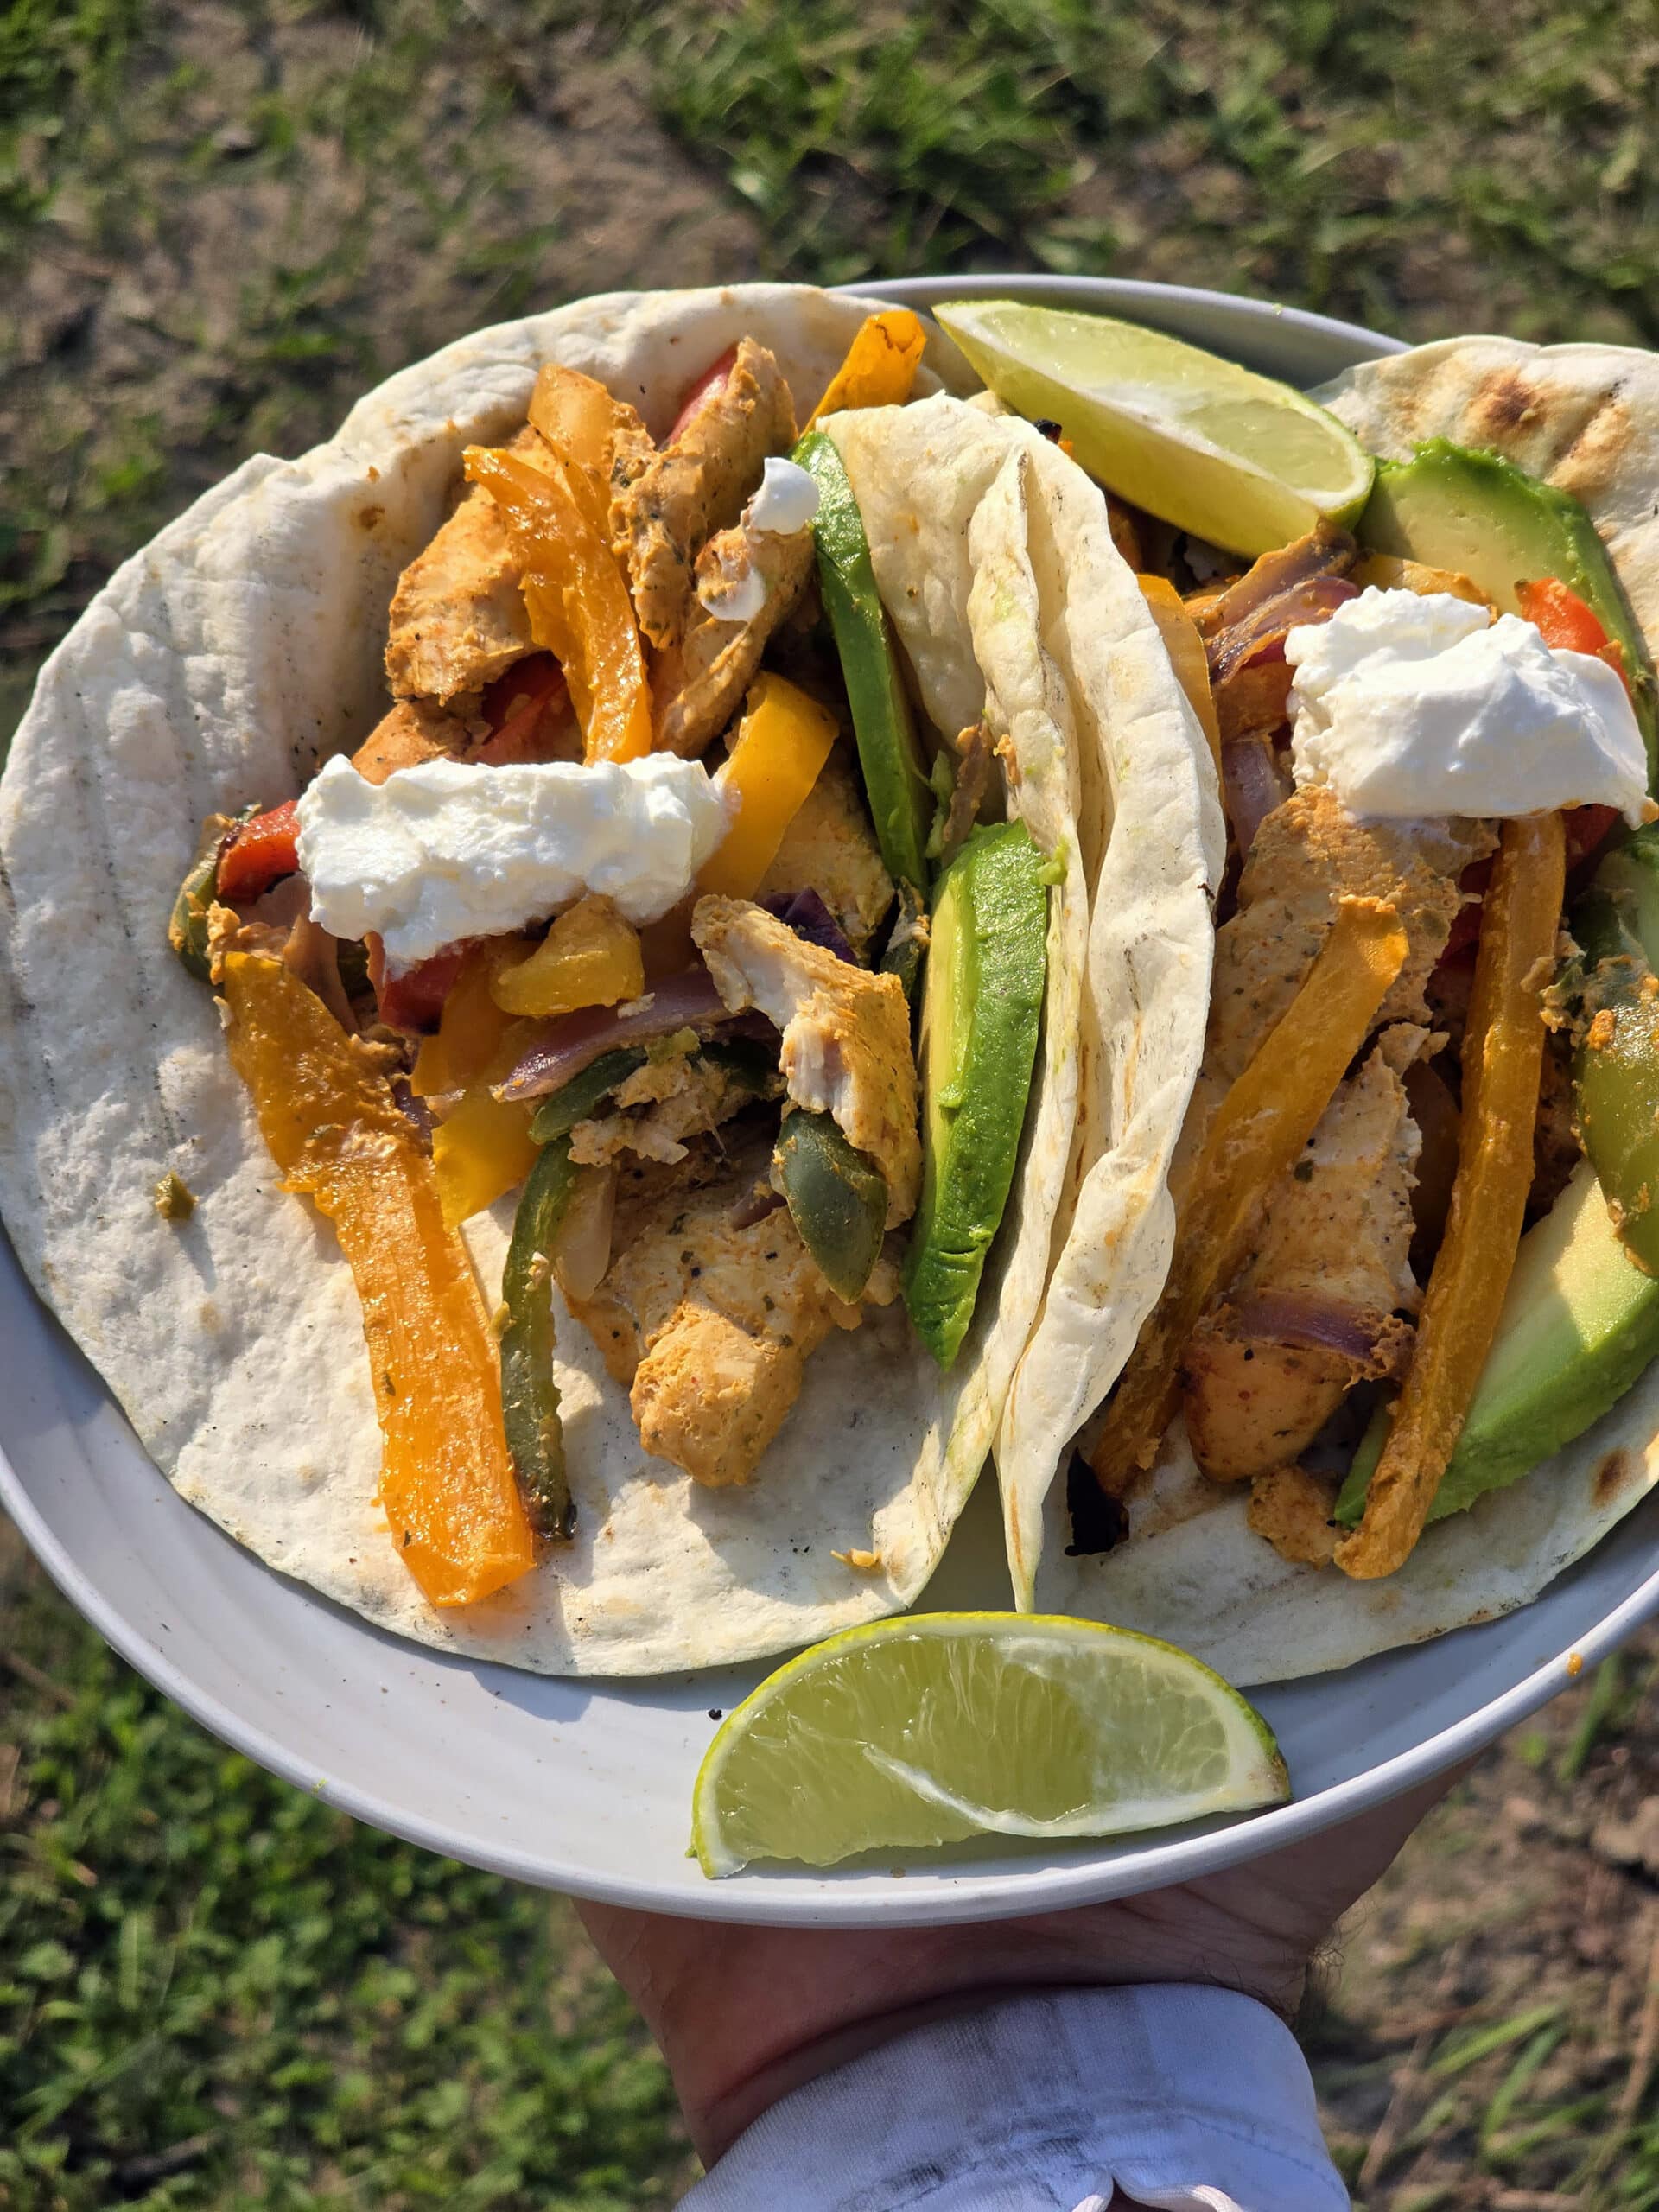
{"points": [[1317, 1309], [1307, 854], [663, 511], [658, 1108], [709, 1324], [830, 848], [412, 731], [748, 581], [458, 619], [846, 1032], [1292, 1508]]}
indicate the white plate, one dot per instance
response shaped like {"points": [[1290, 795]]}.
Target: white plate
{"points": [[586, 1786]]}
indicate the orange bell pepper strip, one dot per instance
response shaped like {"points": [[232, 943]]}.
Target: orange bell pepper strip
{"points": [[333, 1129], [1503, 1061], [1187, 656], [582, 422], [782, 744], [576, 596], [1257, 1136], [880, 364]]}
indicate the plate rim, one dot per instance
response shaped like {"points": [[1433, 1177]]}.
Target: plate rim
{"points": [[971, 1896]]}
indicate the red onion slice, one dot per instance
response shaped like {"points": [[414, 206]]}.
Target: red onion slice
{"points": [[1288, 1317], [1252, 786], [573, 1041]]}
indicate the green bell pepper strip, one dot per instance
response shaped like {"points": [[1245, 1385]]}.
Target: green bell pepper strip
{"points": [[529, 1396]]}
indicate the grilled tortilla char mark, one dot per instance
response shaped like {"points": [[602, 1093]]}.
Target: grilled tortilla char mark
{"points": [[829, 847], [458, 618], [847, 1049], [698, 684], [665, 506], [709, 1319], [1316, 1308]]}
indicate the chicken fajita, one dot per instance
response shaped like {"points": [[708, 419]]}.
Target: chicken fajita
{"points": [[1396, 1374], [556, 926]]}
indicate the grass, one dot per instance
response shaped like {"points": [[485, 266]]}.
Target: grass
{"points": [[219, 220], [217, 1992]]}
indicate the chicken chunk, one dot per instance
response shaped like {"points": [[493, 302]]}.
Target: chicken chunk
{"points": [[458, 618], [1292, 1508], [709, 1324], [847, 1048], [413, 731], [1316, 1308], [1307, 854], [830, 848], [658, 1107], [747, 583], [665, 506]]}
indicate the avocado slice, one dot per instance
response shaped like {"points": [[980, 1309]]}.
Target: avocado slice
{"points": [[981, 1005], [895, 779], [1453, 508], [1580, 1325]]}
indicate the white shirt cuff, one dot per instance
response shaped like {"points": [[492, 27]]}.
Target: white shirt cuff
{"points": [[1186, 2098]]}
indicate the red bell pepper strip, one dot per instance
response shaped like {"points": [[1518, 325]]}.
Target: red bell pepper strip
{"points": [[260, 854], [414, 1000], [708, 383], [527, 710]]}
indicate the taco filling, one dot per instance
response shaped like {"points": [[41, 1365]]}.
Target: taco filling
{"points": [[619, 916], [1413, 1252]]}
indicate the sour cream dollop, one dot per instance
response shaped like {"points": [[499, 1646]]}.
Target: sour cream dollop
{"points": [[444, 850], [784, 503], [1410, 703], [786, 499]]}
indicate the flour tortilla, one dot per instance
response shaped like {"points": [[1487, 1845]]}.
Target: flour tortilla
{"points": [[1585, 418], [219, 668]]}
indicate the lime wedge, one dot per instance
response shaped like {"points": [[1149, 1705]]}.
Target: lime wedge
{"points": [[939, 1726], [1241, 460]]}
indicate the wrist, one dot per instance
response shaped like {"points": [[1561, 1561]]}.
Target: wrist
{"points": [[756, 2014]]}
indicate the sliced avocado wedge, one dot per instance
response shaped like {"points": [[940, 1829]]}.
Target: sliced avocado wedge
{"points": [[1453, 507], [1616, 1066], [1580, 1325], [895, 779], [981, 1005]]}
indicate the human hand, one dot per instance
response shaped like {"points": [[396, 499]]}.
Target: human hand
{"points": [[744, 2015]]}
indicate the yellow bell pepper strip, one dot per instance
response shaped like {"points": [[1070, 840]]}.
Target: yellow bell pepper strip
{"points": [[1503, 1060], [782, 744], [334, 1130], [576, 596], [1257, 1136], [471, 1025], [589, 957], [1187, 656], [880, 364], [529, 1396], [482, 1148]]}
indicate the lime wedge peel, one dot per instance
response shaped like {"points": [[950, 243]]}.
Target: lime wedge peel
{"points": [[1236, 457], [931, 1728]]}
